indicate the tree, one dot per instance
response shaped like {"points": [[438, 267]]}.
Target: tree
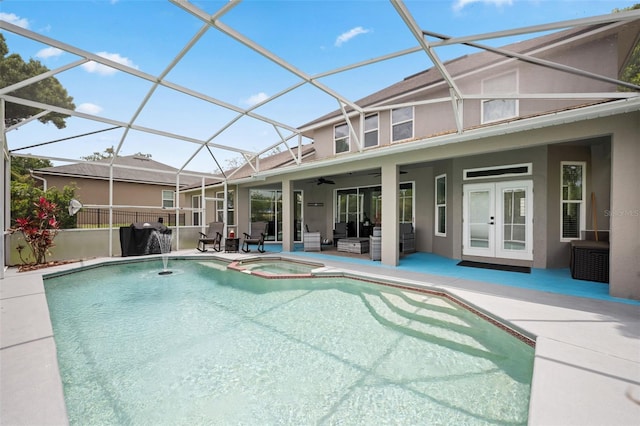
{"points": [[108, 153], [631, 72], [13, 69], [97, 156], [25, 191]]}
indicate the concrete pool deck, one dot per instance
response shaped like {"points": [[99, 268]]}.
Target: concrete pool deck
{"points": [[587, 361]]}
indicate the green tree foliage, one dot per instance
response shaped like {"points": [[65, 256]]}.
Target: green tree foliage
{"points": [[631, 72], [109, 153], [25, 191], [20, 167], [97, 156], [13, 69]]}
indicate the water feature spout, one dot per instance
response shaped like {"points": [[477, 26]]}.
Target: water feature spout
{"points": [[164, 241]]}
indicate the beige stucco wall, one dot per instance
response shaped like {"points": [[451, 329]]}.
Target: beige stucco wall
{"points": [[624, 214], [597, 56], [92, 191], [75, 244]]}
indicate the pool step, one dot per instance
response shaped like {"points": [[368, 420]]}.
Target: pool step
{"points": [[427, 317]]}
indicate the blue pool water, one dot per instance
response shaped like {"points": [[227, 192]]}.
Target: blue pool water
{"points": [[208, 346], [278, 267]]}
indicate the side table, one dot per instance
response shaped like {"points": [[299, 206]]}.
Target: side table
{"points": [[231, 245]]}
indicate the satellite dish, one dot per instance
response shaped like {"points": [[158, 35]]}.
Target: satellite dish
{"points": [[74, 206]]}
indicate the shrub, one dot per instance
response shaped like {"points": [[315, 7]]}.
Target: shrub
{"points": [[39, 229]]}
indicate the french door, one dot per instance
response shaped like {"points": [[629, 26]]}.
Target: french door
{"points": [[498, 220]]}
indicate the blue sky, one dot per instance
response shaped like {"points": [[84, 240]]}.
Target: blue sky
{"points": [[313, 36]]}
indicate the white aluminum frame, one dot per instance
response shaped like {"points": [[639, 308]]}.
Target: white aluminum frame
{"points": [[349, 108]]}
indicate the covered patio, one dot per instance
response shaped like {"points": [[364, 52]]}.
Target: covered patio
{"points": [[586, 341]]}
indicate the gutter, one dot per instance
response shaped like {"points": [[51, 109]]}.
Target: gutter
{"points": [[516, 126], [44, 181]]}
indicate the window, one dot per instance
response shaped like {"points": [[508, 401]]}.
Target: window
{"points": [[500, 109], [405, 203], [266, 206], [167, 199], [441, 205], [401, 124], [196, 204], [220, 208], [341, 138], [573, 199], [498, 171], [371, 131]]}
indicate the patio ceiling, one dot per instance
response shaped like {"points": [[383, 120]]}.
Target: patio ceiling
{"points": [[285, 135]]}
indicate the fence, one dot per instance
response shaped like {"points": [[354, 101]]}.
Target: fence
{"points": [[99, 218]]}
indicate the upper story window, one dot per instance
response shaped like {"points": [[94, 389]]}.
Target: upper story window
{"points": [[500, 109], [572, 199], [341, 138], [371, 131], [401, 124], [167, 199]]}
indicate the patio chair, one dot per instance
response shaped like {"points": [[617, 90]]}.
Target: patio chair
{"points": [[212, 237], [339, 231], [258, 232], [407, 238]]}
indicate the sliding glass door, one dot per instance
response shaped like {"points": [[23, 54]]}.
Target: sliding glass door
{"points": [[266, 206]]}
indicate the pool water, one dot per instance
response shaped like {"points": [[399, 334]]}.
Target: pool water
{"points": [[278, 267], [205, 346]]}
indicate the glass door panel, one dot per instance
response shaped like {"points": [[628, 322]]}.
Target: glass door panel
{"points": [[479, 220], [515, 240], [508, 234]]}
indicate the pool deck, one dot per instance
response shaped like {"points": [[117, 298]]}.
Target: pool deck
{"points": [[587, 361]]}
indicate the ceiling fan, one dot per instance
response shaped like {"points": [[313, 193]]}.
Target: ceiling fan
{"points": [[322, 180]]}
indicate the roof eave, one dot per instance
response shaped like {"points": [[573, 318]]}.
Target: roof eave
{"points": [[516, 126]]}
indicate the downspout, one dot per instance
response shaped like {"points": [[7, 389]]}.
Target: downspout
{"points": [[44, 181]]}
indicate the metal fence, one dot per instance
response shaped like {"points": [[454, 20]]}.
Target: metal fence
{"points": [[99, 218]]}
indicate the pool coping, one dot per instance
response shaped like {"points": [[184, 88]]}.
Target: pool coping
{"points": [[586, 368]]}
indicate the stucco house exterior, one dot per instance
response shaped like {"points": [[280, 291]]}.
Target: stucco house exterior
{"points": [[137, 181], [537, 155]]}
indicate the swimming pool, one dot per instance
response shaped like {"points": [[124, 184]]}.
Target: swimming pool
{"points": [[208, 346], [275, 267]]}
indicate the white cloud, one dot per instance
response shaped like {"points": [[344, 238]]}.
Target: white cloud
{"points": [[49, 52], [94, 67], [89, 108], [345, 37], [256, 99], [14, 19], [460, 4]]}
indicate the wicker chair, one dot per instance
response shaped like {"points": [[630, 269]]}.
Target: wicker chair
{"points": [[339, 231], [407, 238], [213, 237], [258, 232]]}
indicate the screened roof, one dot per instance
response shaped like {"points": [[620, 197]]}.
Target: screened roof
{"points": [[221, 85]]}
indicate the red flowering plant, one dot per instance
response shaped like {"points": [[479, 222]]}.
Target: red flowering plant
{"points": [[38, 230]]}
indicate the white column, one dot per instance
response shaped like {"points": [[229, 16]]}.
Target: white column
{"points": [[287, 216], [624, 257], [390, 244], [5, 172]]}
